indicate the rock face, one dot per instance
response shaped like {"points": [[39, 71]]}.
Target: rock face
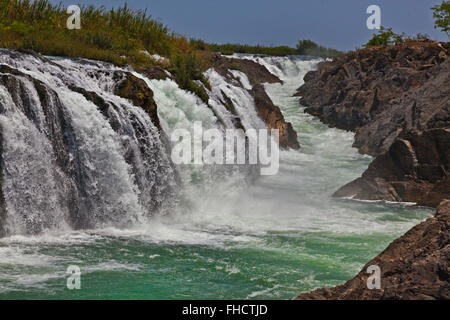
{"points": [[381, 93], [273, 117], [257, 75], [396, 99], [255, 72], [415, 169], [90, 161], [415, 266]]}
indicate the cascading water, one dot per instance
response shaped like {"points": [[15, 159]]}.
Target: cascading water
{"points": [[68, 161], [274, 238]]}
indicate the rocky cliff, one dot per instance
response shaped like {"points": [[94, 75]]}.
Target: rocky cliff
{"points": [[396, 100], [415, 266], [257, 75]]}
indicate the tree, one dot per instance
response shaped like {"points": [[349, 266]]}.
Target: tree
{"points": [[441, 14], [385, 37]]}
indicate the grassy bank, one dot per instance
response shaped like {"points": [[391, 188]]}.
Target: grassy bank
{"points": [[120, 36], [304, 47]]}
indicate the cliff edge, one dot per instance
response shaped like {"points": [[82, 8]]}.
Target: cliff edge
{"points": [[414, 266], [396, 100]]}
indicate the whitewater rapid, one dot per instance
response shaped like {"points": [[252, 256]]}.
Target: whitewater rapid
{"points": [[230, 237]]}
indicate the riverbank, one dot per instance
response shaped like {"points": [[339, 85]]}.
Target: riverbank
{"points": [[396, 100]]}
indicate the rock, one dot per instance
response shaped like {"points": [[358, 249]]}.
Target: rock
{"points": [[2, 198], [381, 93], [257, 75], [273, 117], [414, 266], [414, 169], [132, 88], [396, 99], [154, 72]]}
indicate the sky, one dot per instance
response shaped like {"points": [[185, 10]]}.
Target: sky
{"points": [[340, 24]]}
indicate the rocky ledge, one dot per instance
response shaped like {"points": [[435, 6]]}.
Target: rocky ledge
{"points": [[396, 100], [257, 75], [415, 266]]}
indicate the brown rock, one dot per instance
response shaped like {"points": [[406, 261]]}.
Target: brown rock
{"points": [[414, 266], [395, 99], [381, 93], [267, 111], [274, 119], [154, 72], [415, 169], [136, 90]]}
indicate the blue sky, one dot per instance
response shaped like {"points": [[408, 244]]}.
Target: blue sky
{"points": [[336, 23]]}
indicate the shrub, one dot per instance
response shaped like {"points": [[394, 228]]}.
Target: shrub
{"points": [[441, 14], [385, 37], [107, 35], [310, 48]]}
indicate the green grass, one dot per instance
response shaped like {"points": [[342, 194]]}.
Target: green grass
{"points": [[304, 47], [118, 36]]}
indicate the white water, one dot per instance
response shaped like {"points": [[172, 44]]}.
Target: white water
{"points": [[222, 212], [110, 189]]}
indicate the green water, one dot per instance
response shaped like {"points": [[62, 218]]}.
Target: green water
{"points": [[272, 239]]}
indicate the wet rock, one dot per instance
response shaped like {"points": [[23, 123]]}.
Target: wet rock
{"points": [[414, 266], [132, 88], [273, 117], [257, 75], [381, 93], [396, 99], [154, 72], [415, 169]]}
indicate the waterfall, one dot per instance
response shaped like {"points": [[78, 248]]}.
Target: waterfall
{"points": [[69, 161], [77, 155]]}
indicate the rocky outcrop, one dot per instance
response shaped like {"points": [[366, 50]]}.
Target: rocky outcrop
{"points": [[2, 198], [257, 74], [415, 169], [273, 117], [154, 72], [396, 99], [382, 93], [136, 90], [415, 266]]}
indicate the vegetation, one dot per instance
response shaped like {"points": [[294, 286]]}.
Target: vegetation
{"points": [[230, 48], [304, 47], [310, 48], [120, 36], [386, 36], [123, 37], [441, 14]]}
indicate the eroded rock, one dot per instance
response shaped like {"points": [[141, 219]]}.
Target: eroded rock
{"points": [[414, 266]]}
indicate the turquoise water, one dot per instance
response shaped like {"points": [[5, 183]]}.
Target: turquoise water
{"points": [[271, 239]]}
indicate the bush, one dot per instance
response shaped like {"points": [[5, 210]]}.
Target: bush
{"points": [[441, 14], [107, 35], [310, 48], [385, 37]]}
